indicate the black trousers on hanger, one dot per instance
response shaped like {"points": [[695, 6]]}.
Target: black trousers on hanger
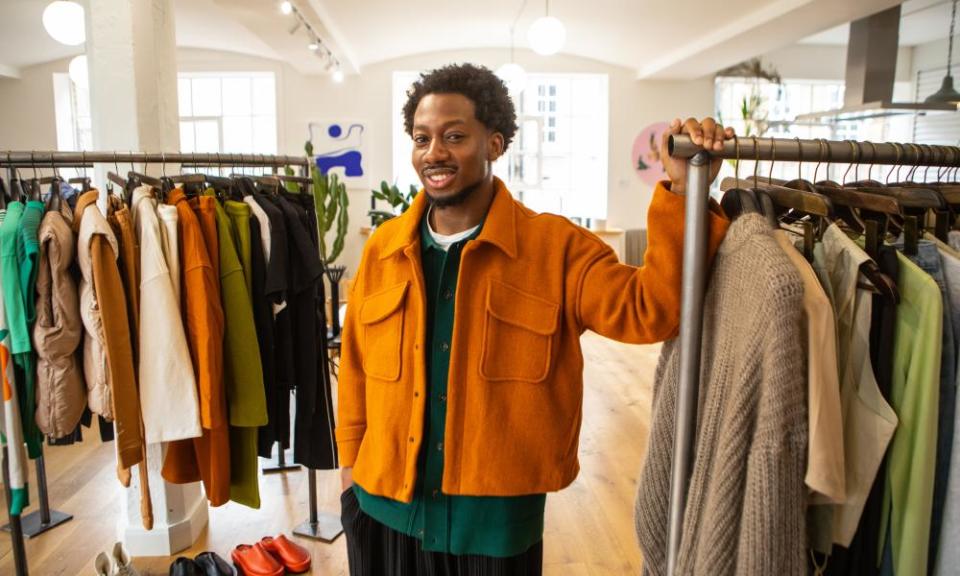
{"points": [[376, 550]]}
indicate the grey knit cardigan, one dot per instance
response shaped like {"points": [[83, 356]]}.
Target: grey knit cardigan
{"points": [[746, 505]]}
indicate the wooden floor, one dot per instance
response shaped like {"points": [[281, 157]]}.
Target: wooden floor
{"points": [[589, 526]]}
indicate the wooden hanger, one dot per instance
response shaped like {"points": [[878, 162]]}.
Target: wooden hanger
{"points": [[736, 199]]}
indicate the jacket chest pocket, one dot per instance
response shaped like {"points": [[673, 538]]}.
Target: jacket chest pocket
{"points": [[381, 316], [518, 335]]}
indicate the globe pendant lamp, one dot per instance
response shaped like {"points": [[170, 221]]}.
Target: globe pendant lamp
{"points": [[547, 34], [947, 94], [513, 74], [64, 22]]}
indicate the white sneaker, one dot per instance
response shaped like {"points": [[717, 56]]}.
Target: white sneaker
{"points": [[123, 565], [103, 565]]}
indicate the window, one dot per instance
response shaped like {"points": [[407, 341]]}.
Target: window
{"points": [[777, 109], [72, 111], [232, 112], [558, 160]]}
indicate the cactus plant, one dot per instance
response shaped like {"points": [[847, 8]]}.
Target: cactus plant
{"points": [[331, 203]]}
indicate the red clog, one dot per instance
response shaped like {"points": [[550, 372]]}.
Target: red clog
{"points": [[255, 561], [294, 557]]}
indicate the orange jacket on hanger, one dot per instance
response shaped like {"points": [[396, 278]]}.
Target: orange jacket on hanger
{"points": [[207, 457], [529, 286]]}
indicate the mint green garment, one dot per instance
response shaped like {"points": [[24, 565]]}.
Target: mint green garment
{"points": [[242, 370], [28, 257], [914, 395], [500, 527]]}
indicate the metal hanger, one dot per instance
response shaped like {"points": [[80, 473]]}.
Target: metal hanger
{"points": [[54, 198], [33, 188]]}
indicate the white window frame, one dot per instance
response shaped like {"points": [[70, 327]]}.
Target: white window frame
{"points": [[218, 119]]}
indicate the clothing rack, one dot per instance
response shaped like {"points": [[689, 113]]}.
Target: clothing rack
{"points": [[695, 269], [46, 518], [44, 159]]}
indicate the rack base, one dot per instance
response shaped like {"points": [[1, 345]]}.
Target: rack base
{"points": [[326, 529], [32, 524]]}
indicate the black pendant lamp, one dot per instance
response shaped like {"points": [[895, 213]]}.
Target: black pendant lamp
{"points": [[947, 94]]}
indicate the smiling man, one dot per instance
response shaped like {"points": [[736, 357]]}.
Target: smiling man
{"points": [[461, 381]]}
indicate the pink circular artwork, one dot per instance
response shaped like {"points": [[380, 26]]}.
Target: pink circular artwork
{"points": [[646, 153]]}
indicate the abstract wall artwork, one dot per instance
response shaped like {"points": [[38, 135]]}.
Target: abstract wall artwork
{"points": [[646, 153], [339, 146]]}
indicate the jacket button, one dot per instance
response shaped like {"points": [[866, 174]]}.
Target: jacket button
{"points": [[444, 346], [447, 294], [411, 439], [436, 494], [443, 397], [439, 446], [416, 394]]}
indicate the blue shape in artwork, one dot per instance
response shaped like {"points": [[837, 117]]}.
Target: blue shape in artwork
{"points": [[350, 161], [334, 131]]}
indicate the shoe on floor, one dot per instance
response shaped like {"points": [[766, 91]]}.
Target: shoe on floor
{"points": [[294, 557], [123, 564], [103, 565], [211, 564], [184, 566], [255, 561]]}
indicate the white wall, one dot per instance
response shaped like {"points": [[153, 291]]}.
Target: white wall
{"points": [[368, 97], [932, 56], [826, 62], [27, 117]]}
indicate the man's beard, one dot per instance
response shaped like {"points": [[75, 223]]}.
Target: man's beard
{"points": [[456, 199]]}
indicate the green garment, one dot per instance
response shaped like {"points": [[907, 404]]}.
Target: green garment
{"points": [[28, 257], [15, 297], [239, 214], [487, 526], [242, 371], [914, 395]]}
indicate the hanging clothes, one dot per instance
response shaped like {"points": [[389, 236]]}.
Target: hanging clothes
{"points": [[911, 464], [61, 391], [868, 421], [121, 221], [315, 443], [243, 373], [167, 384], [930, 260], [171, 244], [11, 255], [860, 558], [280, 381], [945, 556], [12, 428], [205, 458], [276, 285], [263, 320], [747, 499], [826, 476], [107, 353]]}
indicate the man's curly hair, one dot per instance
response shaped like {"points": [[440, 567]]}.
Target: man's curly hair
{"points": [[494, 108]]}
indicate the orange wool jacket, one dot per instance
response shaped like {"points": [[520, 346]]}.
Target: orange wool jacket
{"points": [[529, 286]]}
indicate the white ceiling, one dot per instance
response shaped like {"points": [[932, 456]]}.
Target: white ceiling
{"points": [[656, 39], [921, 21]]}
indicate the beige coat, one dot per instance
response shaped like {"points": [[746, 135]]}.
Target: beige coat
{"points": [[61, 394]]}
